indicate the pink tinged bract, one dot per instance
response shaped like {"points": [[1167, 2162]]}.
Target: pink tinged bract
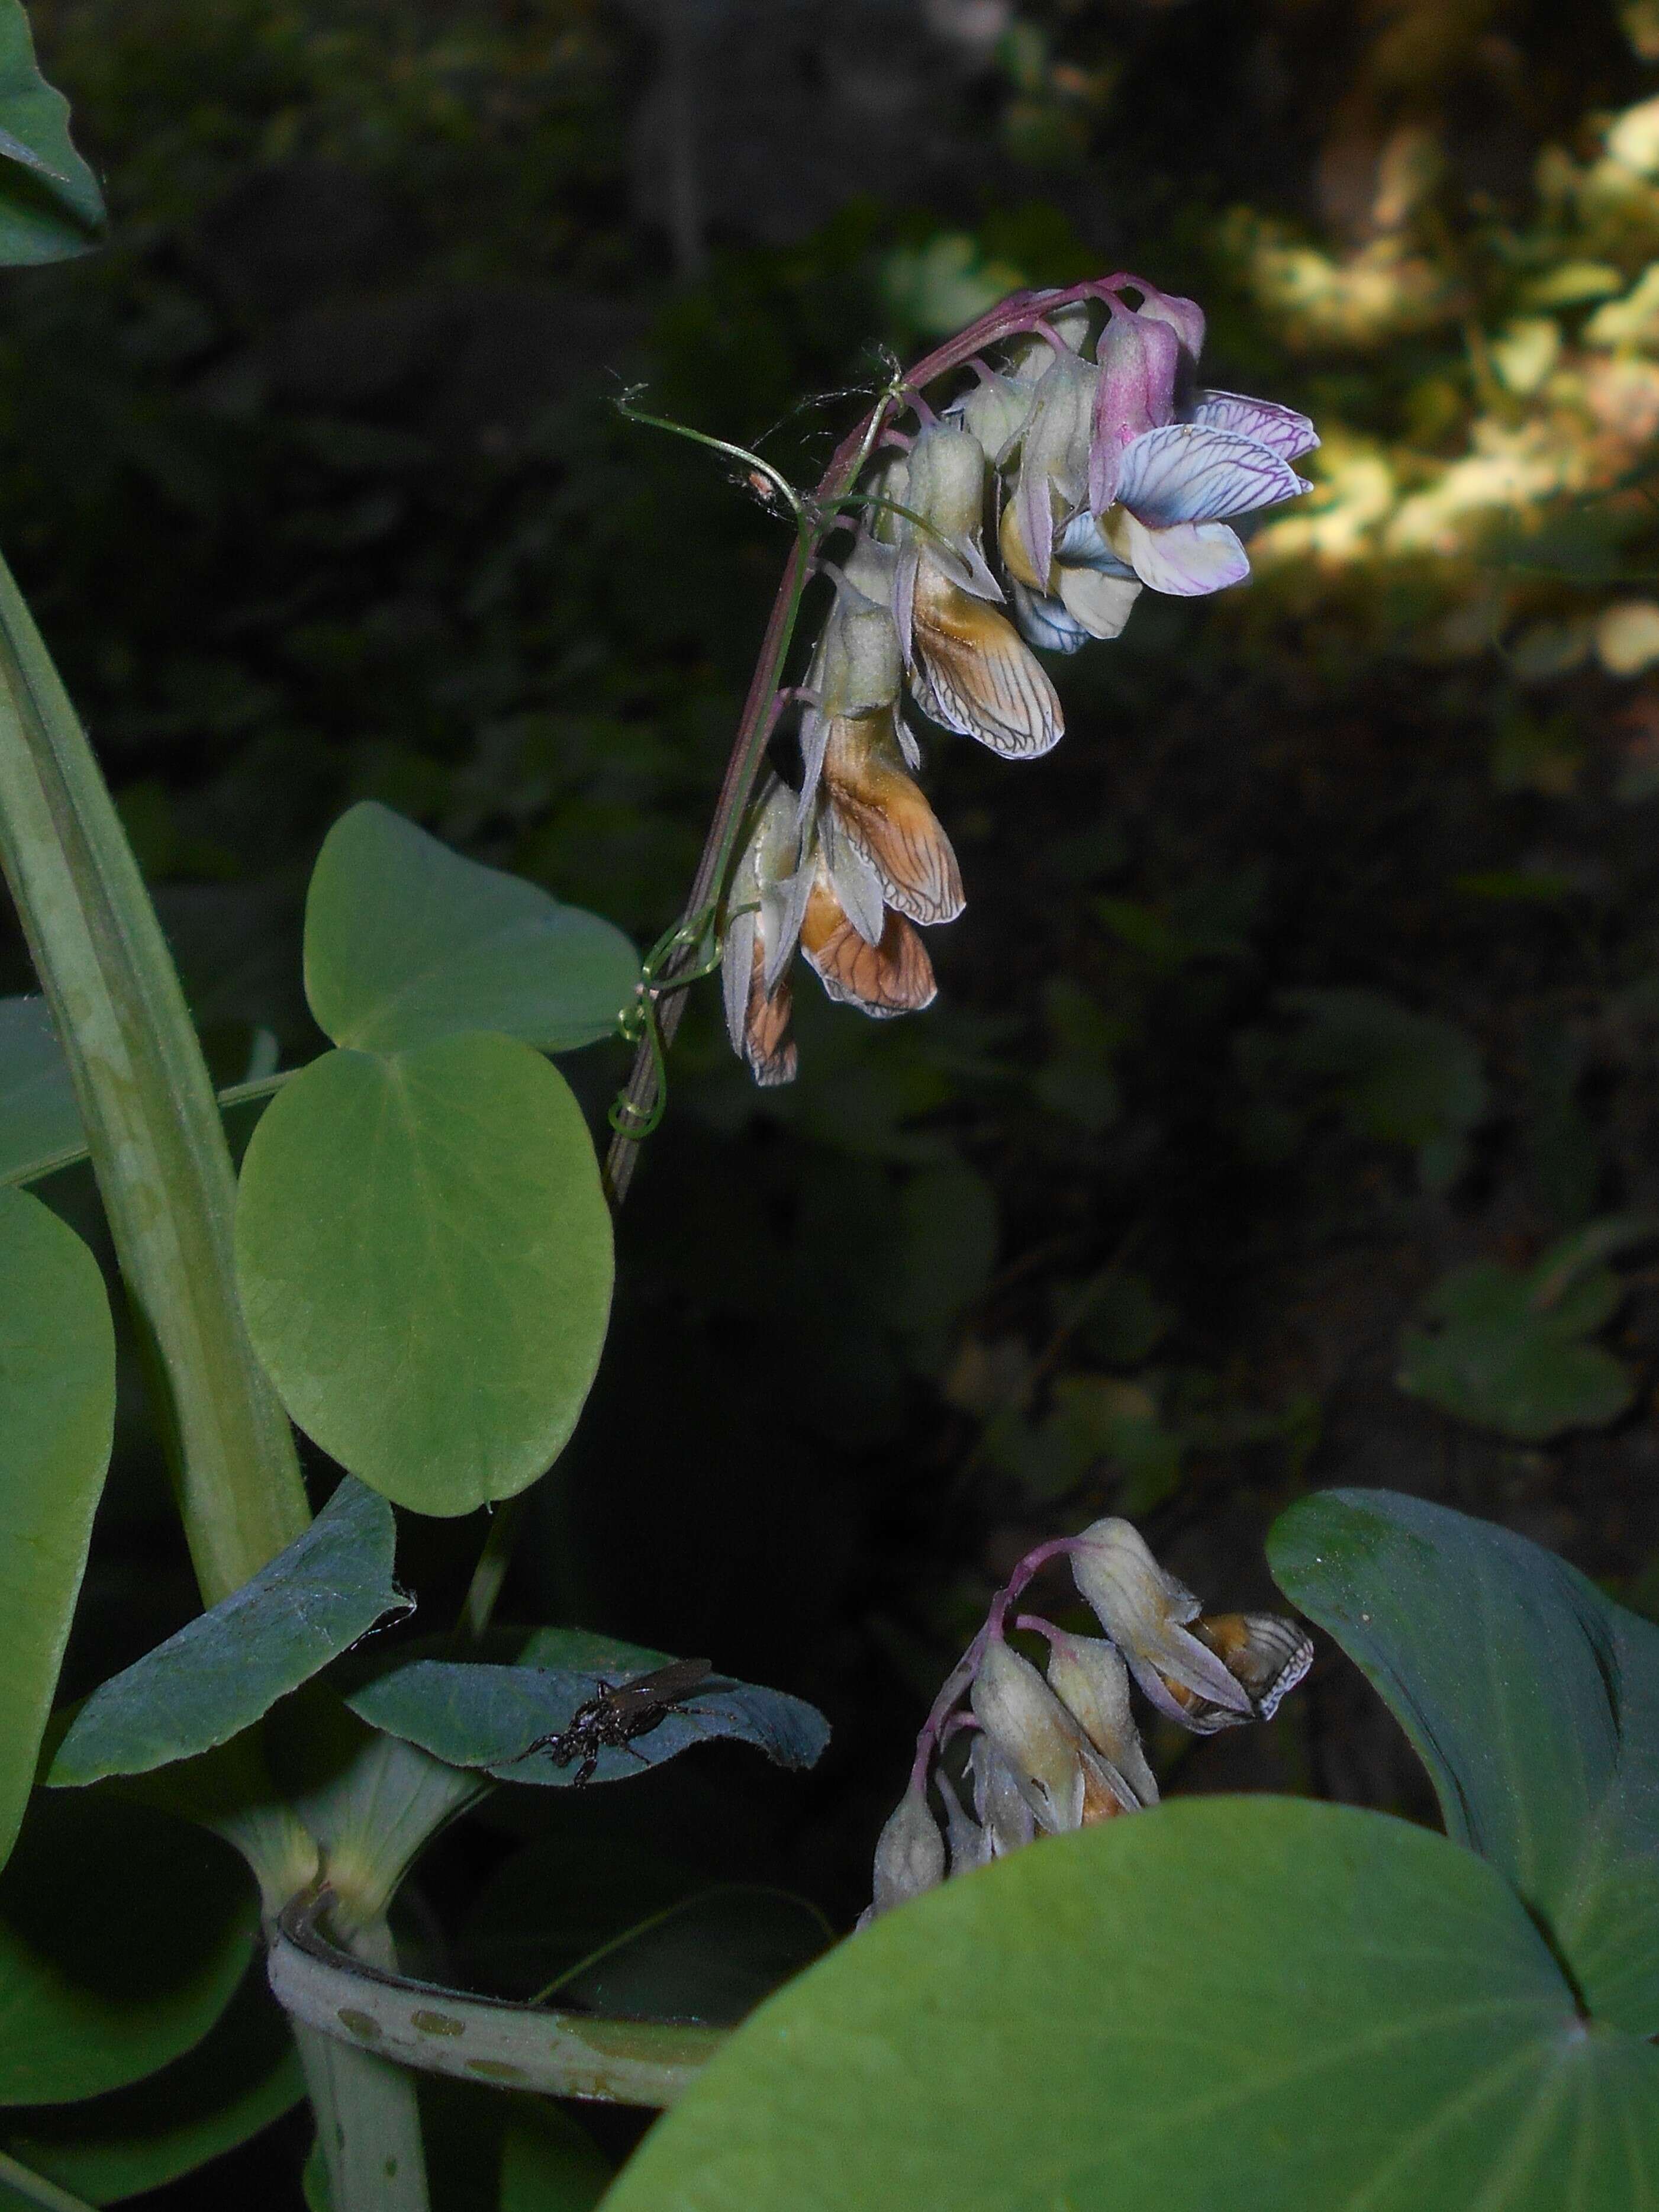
{"points": [[1188, 472], [1281, 429], [1138, 359], [1184, 317]]}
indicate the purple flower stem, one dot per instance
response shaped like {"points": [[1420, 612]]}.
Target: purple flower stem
{"points": [[1005, 320]]}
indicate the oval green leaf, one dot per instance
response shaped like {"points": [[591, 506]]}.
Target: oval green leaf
{"points": [[1532, 1699], [1248, 2001], [480, 1715], [242, 2075], [57, 1420], [425, 1260], [51, 207], [226, 1669], [124, 1934], [406, 941]]}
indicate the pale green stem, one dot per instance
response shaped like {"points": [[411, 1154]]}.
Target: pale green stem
{"points": [[368, 2123], [152, 1120], [34, 2189], [474, 2039]]}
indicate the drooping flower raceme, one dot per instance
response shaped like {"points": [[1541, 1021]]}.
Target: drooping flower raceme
{"points": [[1091, 463], [1051, 1751]]}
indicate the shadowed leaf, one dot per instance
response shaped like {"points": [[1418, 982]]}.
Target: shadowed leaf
{"points": [[1532, 1699], [229, 1665]]}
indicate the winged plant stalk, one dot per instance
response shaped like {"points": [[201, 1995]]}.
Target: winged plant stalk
{"points": [[157, 1143], [165, 1174]]}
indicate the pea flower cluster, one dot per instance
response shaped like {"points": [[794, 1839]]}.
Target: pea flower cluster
{"points": [[1095, 466], [1057, 1750]]}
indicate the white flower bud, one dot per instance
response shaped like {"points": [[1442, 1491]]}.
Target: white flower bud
{"points": [[1142, 1609], [909, 1856], [860, 666], [1058, 1772], [994, 410], [971, 1843], [947, 479], [1087, 1676], [1006, 1817]]}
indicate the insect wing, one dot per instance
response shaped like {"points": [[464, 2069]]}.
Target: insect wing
{"points": [[665, 1687]]}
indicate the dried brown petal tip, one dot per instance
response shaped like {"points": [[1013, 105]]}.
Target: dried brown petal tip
{"points": [[882, 812], [894, 976], [974, 673], [1266, 1655]]}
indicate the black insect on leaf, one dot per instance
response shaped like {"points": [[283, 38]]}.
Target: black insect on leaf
{"points": [[619, 1712]]}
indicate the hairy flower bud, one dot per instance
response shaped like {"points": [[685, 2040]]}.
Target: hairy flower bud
{"points": [[909, 1854], [765, 905], [1090, 1680], [994, 410], [1184, 317], [1004, 1815], [1054, 457], [1061, 1778], [969, 1842], [1143, 1610]]}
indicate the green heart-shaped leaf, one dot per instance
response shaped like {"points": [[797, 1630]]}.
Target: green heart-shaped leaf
{"points": [[425, 1259], [51, 207], [57, 1420], [406, 941], [124, 1934], [1250, 2002], [1532, 1699], [229, 1665]]}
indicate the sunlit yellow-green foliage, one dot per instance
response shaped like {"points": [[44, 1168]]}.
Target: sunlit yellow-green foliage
{"points": [[1522, 494]]}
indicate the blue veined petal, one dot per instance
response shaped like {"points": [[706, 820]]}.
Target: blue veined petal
{"points": [[1081, 545], [1187, 472], [1047, 623], [1281, 429], [1187, 560]]}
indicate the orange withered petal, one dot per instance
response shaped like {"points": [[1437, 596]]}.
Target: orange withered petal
{"points": [[883, 813], [974, 673], [767, 1044], [893, 977]]}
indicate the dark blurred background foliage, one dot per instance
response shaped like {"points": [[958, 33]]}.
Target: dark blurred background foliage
{"points": [[1319, 962]]}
